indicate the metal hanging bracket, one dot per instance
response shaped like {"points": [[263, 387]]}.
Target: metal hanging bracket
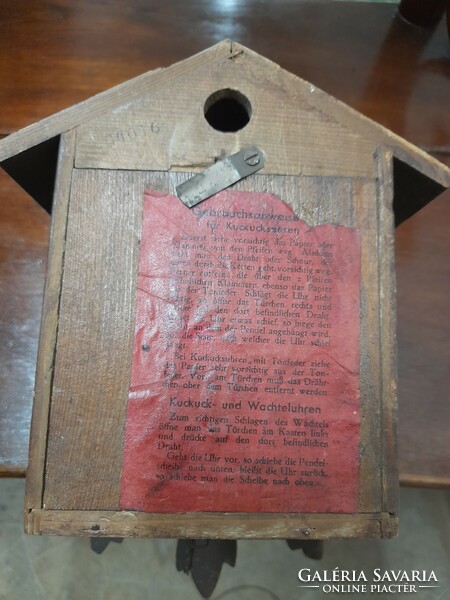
{"points": [[221, 175]]}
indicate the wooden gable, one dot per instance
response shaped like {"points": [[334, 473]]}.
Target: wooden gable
{"points": [[109, 124]]}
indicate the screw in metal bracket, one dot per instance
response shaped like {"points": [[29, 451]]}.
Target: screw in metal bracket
{"points": [[252, 158]]}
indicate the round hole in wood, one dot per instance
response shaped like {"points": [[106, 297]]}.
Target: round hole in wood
{"points": [[227, 110]]}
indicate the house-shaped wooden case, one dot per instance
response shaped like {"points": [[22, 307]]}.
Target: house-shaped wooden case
{"points": [[227, 370]]}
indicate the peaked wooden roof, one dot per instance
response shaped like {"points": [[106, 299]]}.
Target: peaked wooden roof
{"points": [[418, 177]]}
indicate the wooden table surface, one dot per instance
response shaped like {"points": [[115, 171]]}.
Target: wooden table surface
{"points": [[54, 54]]}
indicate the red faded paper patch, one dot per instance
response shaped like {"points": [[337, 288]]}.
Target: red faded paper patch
{"points": [[244, 390]]}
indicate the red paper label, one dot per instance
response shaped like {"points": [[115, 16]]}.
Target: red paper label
{"points": [[244, 390]]}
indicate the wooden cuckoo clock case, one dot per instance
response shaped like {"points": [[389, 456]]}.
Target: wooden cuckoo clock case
{"points": [[225, 370]]}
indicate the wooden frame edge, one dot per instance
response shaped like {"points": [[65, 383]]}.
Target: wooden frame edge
{"points": [[204, 525], [424, 481], [211, 525], [13, 471], [388, 332], [49, 326]]}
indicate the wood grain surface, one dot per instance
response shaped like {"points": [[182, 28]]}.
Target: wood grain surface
{"points": [[49, 322], [93, 353], [94, 345], [210, 525], [362, 54]]}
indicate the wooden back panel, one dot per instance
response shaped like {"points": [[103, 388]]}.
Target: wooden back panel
{"points": [[82, 461]]}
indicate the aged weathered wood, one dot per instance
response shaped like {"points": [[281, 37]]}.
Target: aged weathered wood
{"points": [[50, 72], [332, 165], [371, 435], [210, 525], [93, 352], [424, 481], [388, 354], [95, 331], [49, 324], [223, 58], [167, 129]]}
